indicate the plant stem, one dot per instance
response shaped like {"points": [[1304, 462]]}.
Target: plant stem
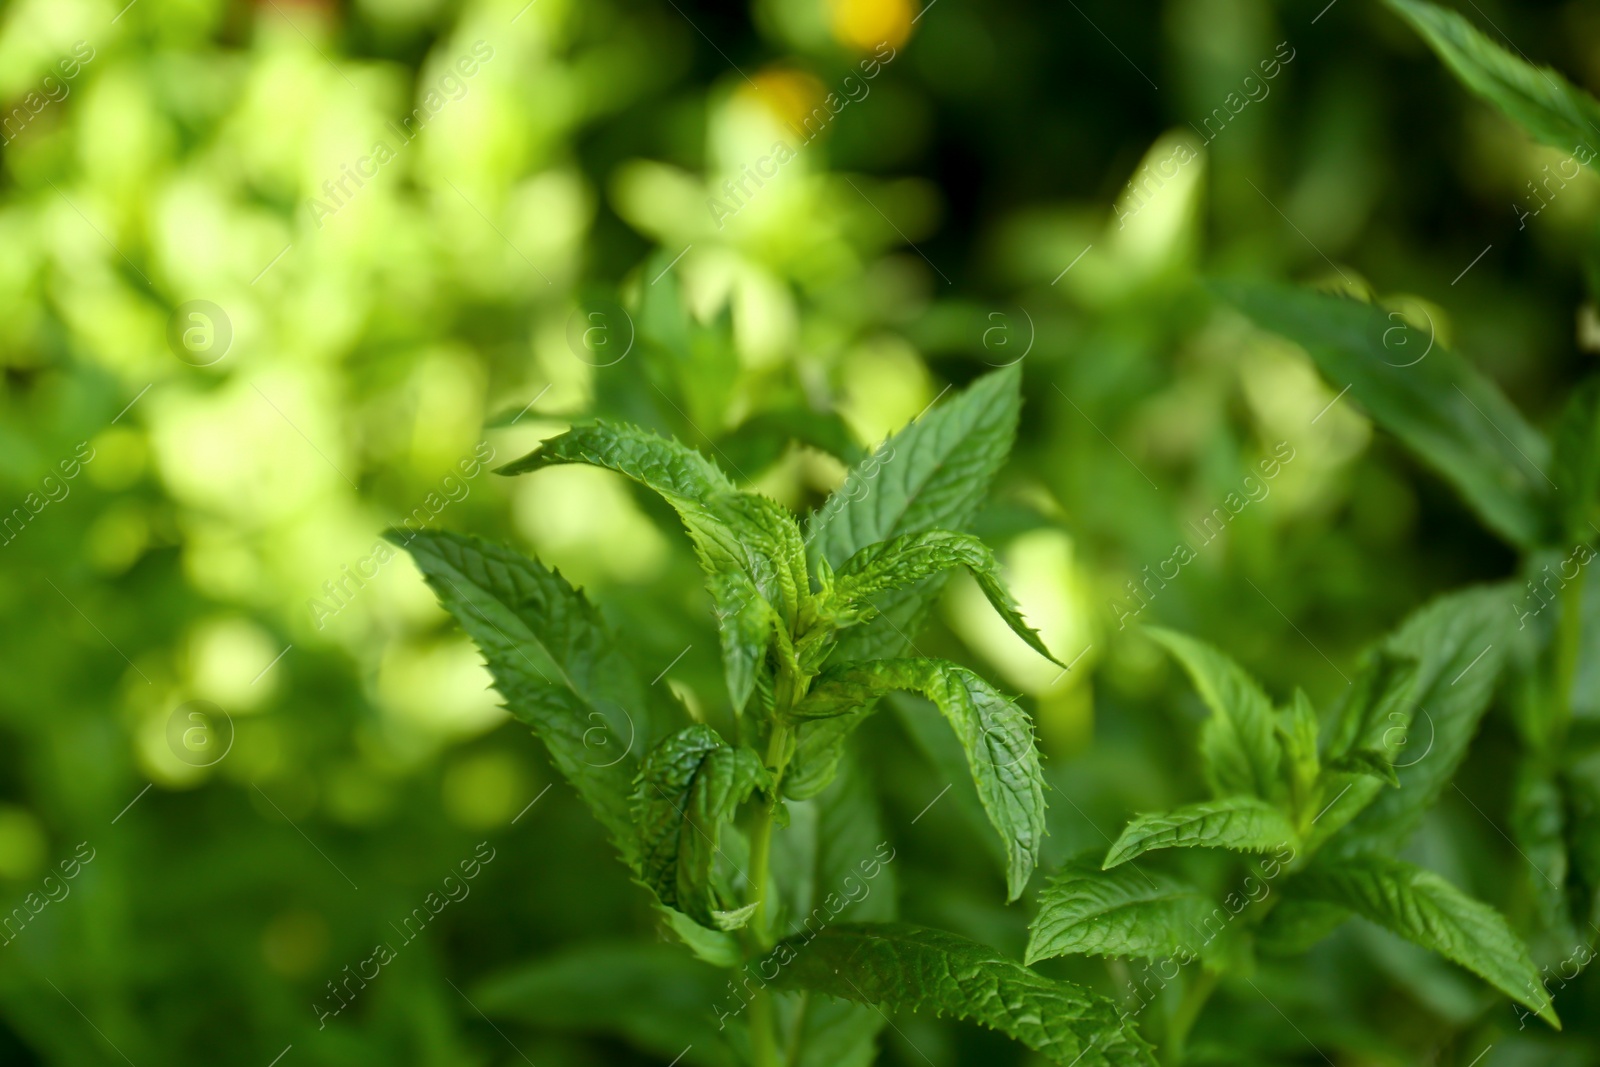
{"points": [[763, 1031], [763, 1022], [761, 834], [1569, 633], [1183, 1019]]}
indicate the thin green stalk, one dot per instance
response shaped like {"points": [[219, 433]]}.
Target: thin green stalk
{"points": [[763, 1021], [761, 837], [1195, 995], [763, 1031], [1569, 634]]}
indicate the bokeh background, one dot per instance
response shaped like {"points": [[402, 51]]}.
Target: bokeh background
{"points": [[365, 354]]}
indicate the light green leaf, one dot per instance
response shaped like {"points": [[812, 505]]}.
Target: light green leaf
{"points": [[1297, 729], [995, 733], [720, 948], [748, 546], [932, 475], [1125, 912], [1243, 824], [911, 558], [558, 666], [908, 967], [1427, 910], [654, 996], [1453, 417], [1239, 741], [1576, 467], [1538, 99], [689, 786]]}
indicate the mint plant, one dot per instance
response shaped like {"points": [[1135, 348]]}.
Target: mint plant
{"points": [[1331, 797], [734, 833], [754, 828]]}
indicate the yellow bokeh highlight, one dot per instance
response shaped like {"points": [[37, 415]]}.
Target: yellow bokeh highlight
{"points": [[789, 95], [865, 24]]}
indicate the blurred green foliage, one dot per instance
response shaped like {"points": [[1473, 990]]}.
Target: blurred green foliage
{"points": [[400, 320]]}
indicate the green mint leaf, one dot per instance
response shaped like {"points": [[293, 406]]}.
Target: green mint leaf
{"points": [[1539, 827], [995, 733], [689, 786], [1243, 824], [1124, 912], [852, 879], [1367, 761], [908, 967], [651, 995], [1448, 413], [1576, 466], [932, 475], [854, 860], [1425, 909], [556, 663], [763, 439], [1298, 730], [1295, 926], [1538, 99], [698, 363], [1377, 701], [1239, 741], [720, 948], [1458, 643], [748, 546], [911, 558]]}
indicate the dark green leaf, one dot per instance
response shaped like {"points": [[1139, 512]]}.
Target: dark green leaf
{"points": [[761, 440], [1243, 824], [748, 546], [1445, 411], [996, 734], [556, 664], [1538, 99], [1239, 740], [1294, 927], [932, 475], [854, 875], [1538, 825], [689, 786], [1576, 467], [907, 967], [1368, 761], [911, 558], [1424, 908], [1458, 643], [1126, 912], [653, 995]]}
